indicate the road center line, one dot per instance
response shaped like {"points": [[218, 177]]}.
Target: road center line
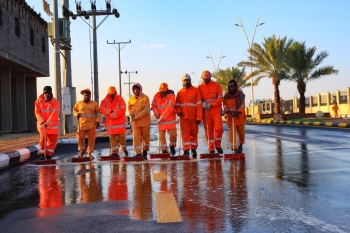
{"points": [[276, 136]]}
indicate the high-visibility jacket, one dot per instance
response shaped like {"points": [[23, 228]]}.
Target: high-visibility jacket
{"points": [[90, 114], [236, 103], [165, 107], [189, 102], [49, 112], [115, 122], [211, 93], [140, 108]]}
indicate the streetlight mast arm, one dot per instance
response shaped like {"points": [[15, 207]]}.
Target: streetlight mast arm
{"points": [[212, 61], [256, 25], [244, 32]]}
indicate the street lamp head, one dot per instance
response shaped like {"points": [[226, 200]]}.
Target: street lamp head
{"points": [[208, 57], [261, 24], [223, 56], [238, 25]]}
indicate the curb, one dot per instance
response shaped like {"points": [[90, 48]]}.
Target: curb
{"points": [[23, 155], [315, 123]]}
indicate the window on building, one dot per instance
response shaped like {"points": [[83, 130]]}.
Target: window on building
{"points": [[307, 102], [31, 37], [314, 101], [333, 98], [323, 100], [343, 99], [17, 31], [43, 47], [0, 16]]}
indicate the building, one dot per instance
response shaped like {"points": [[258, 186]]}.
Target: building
{"points": [[24, 56]]}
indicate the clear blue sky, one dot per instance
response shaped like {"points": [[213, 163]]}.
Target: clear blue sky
{"points": [[170, 38]]}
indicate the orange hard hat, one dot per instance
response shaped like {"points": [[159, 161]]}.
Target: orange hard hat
{"points": [[206, 74], [163, 87], [112, 90], [85, 90]]}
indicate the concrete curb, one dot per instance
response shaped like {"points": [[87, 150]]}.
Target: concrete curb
{"points": [[23, 155], [315, 123]]}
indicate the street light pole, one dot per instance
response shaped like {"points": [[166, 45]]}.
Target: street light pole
{"points": [[216, 69], [250, 54]]}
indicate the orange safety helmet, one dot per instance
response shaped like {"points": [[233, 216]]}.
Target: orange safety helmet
{"points": [[112, 90], [163, 87], [85, 90], [206, 74]]}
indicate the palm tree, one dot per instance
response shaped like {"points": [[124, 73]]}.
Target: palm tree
{"points": [[224, 76], [268, 61], [303, 68]]}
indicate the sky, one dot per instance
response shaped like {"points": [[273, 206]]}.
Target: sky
{"points": [[173, 37]]}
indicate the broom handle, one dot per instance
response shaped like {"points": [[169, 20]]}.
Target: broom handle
{"points": [[110, 128], [158, 138], [180, 134], [233, 134], [45, 141], [206, 114]]}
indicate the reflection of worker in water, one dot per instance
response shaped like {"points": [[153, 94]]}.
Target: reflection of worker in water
{"points": [[89, 188], [142, 193], [118, 189], [213, 216], [50, 190], [191, 198], [335, 109], [239, 195]]}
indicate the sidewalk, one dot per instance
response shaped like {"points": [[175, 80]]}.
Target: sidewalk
{"points": [[342, 123]]}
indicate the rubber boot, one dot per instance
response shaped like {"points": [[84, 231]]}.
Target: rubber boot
{"points": [[144, 153], [240, 148], [90, 156], [194, 154], [172, 150], [186, 152]]}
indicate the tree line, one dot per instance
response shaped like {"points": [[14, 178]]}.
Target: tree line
{"points": [[279, 59]]}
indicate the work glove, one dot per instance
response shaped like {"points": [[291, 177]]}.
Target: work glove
{"points": [[179, 114], [223, 112], [156, 115], [78, 115], [159, 120], [204, 105], [198, 121], [132, 118], [208, 106]]}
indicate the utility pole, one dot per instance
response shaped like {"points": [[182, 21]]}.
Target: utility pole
{"points": [[57, 90], [86, 14], [130, 72], [120, 72], [67, 75]]}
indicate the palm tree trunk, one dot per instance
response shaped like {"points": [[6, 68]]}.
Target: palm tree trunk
{"points": [[301, 89], [277, 96]]}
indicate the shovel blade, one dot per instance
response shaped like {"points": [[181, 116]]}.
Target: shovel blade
{"points": [[234, 156], [209, 156], [159, 156], [180, 157], [109, 158], [132, 159], [81, 160]]}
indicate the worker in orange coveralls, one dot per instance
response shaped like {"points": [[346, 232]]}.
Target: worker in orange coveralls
{"points": [[335, 109], [234, 104], [114, 108], [47, 111], [139, 112], [211, 94], [163, 106], [189, 109], [88, 113]]}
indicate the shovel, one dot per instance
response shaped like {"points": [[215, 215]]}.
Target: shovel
{"points": [[208, 155], [45, 162], [234, 155]]}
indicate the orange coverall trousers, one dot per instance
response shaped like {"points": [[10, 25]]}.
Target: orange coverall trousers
{"points": [[138, 134], [91, 135], [51, 141], [117, 141], [213, 128], [172, 138], [240, 130], [189, 134]]}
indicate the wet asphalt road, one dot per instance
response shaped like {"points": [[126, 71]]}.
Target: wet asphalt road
{"points": [[294, 179]]}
